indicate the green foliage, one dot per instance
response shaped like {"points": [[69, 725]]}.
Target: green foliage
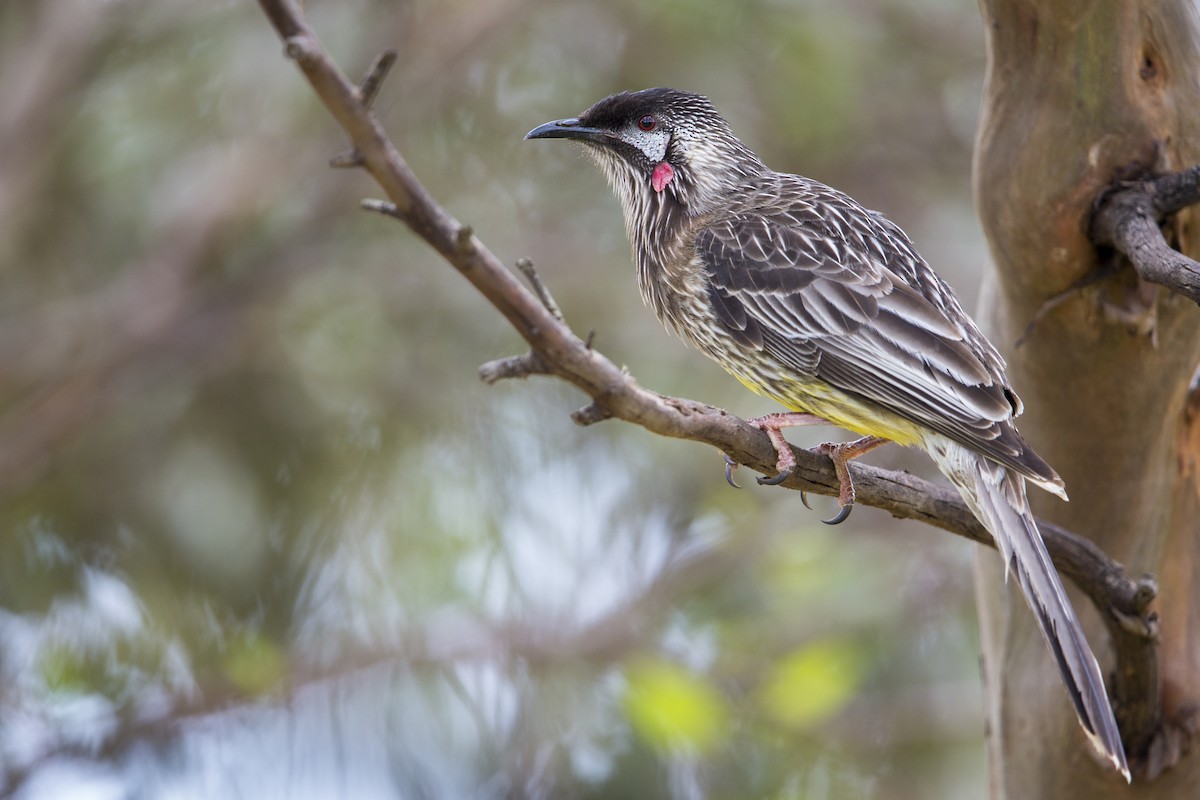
{"points": [[255, 665]]}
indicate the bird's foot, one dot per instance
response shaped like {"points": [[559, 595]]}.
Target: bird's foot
{"points": [[841, 454], [772, 425]]}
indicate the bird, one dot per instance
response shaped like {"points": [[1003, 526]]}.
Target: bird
{"points": [[826, 307]]}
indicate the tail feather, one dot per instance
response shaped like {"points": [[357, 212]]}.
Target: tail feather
{"points": [[996, 495]]}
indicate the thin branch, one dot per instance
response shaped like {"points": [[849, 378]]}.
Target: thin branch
{"points": [[556, 350], [1128, 217], [543, 292]]}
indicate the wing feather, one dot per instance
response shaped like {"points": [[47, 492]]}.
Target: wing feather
{"points": [[847, 299]]}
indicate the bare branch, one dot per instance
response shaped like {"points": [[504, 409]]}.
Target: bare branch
{"points": [[1128, 217]]}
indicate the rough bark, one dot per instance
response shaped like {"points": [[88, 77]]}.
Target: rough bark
{"points": [[1077, 95]]}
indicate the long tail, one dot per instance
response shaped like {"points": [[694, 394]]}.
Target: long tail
{"points": [[996, 495]]}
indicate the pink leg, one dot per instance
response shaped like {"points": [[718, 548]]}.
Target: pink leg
{"points": [[841, 453], [771, 424]]}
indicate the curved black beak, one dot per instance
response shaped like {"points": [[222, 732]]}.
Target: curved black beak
{"points": [[569, 129]]}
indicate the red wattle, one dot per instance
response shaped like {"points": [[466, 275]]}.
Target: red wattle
{"points": [[661, 176]]}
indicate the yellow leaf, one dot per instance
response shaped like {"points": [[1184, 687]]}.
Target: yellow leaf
{"points": [[254, 665], [671, 708], [811, 684]]}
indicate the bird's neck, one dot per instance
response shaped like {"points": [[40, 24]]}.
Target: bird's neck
{"points": [[661, 224], [658, 225]]}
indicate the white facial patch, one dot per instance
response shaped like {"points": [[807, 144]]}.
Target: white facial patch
{"points": [[653, 144]]}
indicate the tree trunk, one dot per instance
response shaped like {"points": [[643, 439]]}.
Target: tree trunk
{"points": [[1076, 92]]}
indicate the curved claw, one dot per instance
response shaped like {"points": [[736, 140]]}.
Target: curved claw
{"points": [[730, 466], [804, 499], [782, 476], [841, 515]]}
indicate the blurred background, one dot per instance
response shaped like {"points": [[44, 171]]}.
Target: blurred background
{"points": [[265, 533]]}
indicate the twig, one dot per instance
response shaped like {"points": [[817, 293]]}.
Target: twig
{"points": [[369, 87], [558, 351], [521, 366], [351, 159], [590, 415], [543, 292], [368, 90], [1127, 217], [530, 363], [380, 207]]}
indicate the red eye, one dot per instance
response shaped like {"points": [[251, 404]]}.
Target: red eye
{"points": [[647, 123]]}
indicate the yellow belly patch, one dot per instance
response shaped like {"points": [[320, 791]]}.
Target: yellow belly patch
{"points": [[819, 398]]}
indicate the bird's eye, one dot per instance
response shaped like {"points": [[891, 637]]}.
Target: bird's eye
{"points": [[647, 123]]}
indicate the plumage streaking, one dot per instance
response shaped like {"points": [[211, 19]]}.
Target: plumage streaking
{"points": [[813, 300]]}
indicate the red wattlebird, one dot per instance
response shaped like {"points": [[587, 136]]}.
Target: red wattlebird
{"points": [[808, 298]]}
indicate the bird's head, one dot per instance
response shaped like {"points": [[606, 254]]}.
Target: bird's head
{"points": [[659, 144]]}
